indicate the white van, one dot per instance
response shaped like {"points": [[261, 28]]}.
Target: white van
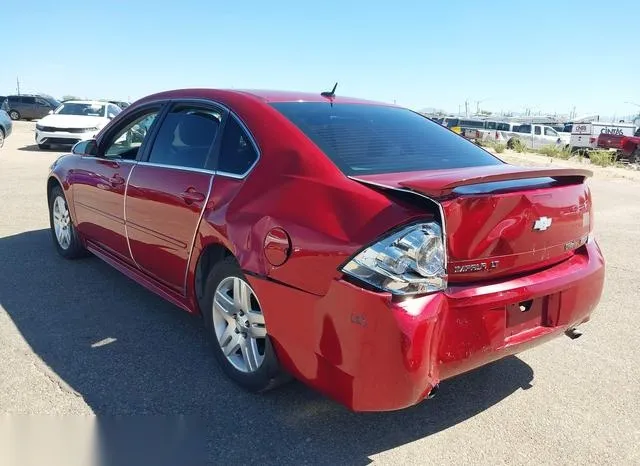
{"points": [[584, 136]]}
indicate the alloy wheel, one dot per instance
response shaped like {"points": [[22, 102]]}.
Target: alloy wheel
{"points": [[239, 324], [14, 115], [62, 222]]}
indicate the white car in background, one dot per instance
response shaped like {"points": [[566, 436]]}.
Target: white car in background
{"points": [[73, 121]]}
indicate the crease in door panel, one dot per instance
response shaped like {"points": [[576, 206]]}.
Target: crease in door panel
{"points": [[126, 230], [197, 229]]}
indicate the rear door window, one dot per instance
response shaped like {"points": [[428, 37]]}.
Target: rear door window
{"points": [[237, 151], [369, 139]]}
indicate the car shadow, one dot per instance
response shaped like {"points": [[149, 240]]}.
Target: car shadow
{"points": [[128, 352], [35, 148]]}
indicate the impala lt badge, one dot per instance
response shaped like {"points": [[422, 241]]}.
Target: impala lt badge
{"points": [[542, 224]]}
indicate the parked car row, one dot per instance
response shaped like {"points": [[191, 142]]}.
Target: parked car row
{"points": [[581, 137], [530, 135], [59, 123]]}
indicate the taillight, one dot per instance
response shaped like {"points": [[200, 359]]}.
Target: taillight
{"points": [[592, 140], [407, 262]]}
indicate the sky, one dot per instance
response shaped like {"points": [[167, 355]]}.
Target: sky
{"points": [[546, 56]]}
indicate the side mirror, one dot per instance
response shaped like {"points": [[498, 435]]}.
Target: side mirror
{"points": [[88, 147]]}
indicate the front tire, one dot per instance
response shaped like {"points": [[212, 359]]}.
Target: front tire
{"points": [[63, 232], [236, 326], [14, 115]]}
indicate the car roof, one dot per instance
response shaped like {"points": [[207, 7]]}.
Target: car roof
{"points": [[265, 96]]}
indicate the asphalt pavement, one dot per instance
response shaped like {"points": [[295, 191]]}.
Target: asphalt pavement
{"points": [[77, 338]]}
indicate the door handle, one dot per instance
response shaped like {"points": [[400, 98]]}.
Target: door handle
{"points": [[116, 180], [191, 195]]}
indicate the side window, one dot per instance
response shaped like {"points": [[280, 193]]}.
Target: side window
{"points": [[126, 142], [524, 129], [492, 125], [237, 153], [185, 137], [43, 103], [550, 132], [112, 111], [538, 131], [28, 100]]}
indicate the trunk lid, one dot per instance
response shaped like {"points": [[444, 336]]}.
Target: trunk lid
{"points": [[502, 220]]}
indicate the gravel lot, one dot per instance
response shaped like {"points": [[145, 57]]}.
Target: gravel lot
{"points": [[78, 338]]}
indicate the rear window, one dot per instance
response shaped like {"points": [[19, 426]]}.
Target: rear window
{"points": [[370, 139], [471, 124]]}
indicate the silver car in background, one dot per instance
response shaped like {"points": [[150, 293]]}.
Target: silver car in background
{"points": [[6, 126]]}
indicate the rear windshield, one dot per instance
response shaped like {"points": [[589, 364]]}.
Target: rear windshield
{"points": [[370, 139]]}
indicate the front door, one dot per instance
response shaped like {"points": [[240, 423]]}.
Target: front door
{"points": [[100, 183], [167, 193]]}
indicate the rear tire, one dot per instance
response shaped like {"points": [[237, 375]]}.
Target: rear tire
{"points": [[237, 329], [63, 232], [14, 115]]}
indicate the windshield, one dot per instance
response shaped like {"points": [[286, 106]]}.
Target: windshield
{"points": [[370, 139], [77, 108]]}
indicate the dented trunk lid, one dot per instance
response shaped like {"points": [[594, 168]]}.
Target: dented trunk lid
{"points": [[502, 220]]}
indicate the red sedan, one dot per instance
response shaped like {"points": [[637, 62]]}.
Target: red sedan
{"points": [[357, 246]]}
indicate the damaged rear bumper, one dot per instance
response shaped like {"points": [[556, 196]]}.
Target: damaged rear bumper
{"points": [[371, 353]]}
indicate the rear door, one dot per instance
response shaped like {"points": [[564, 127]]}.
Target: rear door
{"points": [[167, 192]]}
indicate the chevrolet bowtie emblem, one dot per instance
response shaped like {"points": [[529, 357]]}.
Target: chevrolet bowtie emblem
{"points": [[542, 224]]}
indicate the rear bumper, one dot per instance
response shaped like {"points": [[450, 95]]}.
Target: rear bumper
{"points": [[373, 354]]}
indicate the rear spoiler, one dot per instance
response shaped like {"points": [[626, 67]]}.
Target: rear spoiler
{"points": [[439, 184]]}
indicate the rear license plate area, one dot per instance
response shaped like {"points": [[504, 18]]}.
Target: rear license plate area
{"points": [[526, 315]]}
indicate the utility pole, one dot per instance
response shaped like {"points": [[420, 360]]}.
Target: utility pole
{"points": [[466, 108], [18, 84]]}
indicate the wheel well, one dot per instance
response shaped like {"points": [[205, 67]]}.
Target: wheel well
{"points": [[51, 183], [211, 255]]}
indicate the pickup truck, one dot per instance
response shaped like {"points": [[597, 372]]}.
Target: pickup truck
{"points": [[537, 136], [609, 141], [630, 148]]}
